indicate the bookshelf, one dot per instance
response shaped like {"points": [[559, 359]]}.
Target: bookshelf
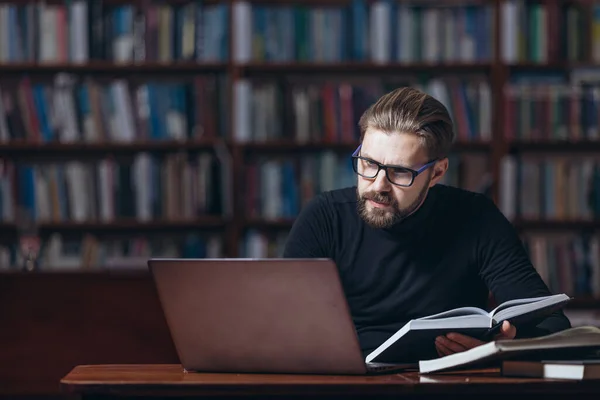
{"points": [[188, 98], [227, 80]]}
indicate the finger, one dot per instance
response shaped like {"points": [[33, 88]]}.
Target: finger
{"points": [[442, 350], [450, 344], [507, 331], [465, 341], [439, 351]]}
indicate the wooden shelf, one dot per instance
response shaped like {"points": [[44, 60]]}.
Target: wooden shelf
{"points": [[287, 145], [261, 223], [538, 67], [132, 225], [313, 3], [171, 2], [476, 146], [564, 66], [109, 67], [555, 146], [557, 225], [7, 230], [112, 273], [257, 68], [86, 149], [112, 2], [14, 149]]}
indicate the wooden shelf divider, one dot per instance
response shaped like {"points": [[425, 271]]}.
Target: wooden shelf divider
{"points": [[97, 67]]}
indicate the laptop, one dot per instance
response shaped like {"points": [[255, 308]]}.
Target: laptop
{"points": [[260, 316]]}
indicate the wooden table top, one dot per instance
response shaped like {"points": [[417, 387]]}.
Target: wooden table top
{"points": [[171, 379]]}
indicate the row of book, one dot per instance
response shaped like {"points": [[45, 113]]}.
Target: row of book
{"points": [[89, 252], [71, 109], [79, 31], [181, 186], [259, 244], [551, 107], [550, 187], [178, 187], [567, 263], [469, 171], [542, 32], [305, 111], [380, 31], [280, 187]]}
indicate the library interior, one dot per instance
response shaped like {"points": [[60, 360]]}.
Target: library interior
{"points": [[134, 129]]}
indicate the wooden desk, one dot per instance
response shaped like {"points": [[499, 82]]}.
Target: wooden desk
{"points": [[169, 381]]}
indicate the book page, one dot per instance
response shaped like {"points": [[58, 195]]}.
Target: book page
{"points": [[578, 336], [457, 312], [514, 308], [515, 302]]}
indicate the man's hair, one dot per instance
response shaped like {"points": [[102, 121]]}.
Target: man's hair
{"points": [[408, 110]]}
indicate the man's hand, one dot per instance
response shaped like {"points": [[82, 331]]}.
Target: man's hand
{"points": [[455, 342]]}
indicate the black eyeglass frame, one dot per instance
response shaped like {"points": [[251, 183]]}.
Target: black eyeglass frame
{"points": [[414, 173]]}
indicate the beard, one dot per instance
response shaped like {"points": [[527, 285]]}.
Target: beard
{"points": [[387, 217]]}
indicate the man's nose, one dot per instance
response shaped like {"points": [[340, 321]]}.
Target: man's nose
{"points": [[381, 183]]}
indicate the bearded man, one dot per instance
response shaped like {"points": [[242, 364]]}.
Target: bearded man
{"points": [[407, 246]]}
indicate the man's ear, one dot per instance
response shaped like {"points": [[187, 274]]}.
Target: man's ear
{"points": [[439, 170]]}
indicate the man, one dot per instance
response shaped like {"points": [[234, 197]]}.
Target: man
{"points": [[408, 247]]}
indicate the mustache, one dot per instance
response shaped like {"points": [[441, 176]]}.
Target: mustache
{"points": [[378, 197]]}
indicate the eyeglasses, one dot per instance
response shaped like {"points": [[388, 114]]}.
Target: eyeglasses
{"points": [[396, 174]]}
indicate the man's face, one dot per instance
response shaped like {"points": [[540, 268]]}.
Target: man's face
{"points": [[380, 203]]}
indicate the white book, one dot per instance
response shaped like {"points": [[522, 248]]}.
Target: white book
{"points": [[124, 123], [508, 174], [242, 33], [79, 32], [380, 32], [404, 31], [301, 112], [42, 200], [431, 26], [242, 118], [553, 369], [509, 31], [573, 342], [214, 247], [4, 34], [142, 183], [78, 200], [470, 321], [486, 109], [106, 188]]}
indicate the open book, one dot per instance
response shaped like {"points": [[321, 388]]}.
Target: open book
{"points": [[410, 342], [580, 342]]}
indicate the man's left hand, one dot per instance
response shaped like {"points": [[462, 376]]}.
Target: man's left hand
{"points": [[456, 342]]}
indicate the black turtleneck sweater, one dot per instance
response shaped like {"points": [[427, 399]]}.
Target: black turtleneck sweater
{"points": [[454, 250]]}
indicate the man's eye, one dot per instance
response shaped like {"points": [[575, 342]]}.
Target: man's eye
{"points": [[369, 163], [399, 171]]}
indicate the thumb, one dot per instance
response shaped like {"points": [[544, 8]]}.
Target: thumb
{"points": [[508, 331]]}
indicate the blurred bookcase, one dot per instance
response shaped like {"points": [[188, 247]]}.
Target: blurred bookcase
{"points": [[134, 128]]}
